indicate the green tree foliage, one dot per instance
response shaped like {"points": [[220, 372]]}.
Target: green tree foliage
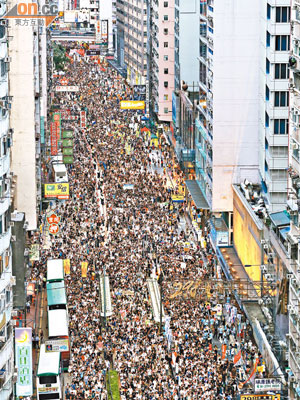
{"points": [[59, 57]]}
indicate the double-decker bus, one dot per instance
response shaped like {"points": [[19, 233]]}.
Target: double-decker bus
{"points": [[56, 296], [55, 270]]}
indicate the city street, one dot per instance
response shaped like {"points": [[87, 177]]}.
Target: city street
{"points": [[134, 234]]}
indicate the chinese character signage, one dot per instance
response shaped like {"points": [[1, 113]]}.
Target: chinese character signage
{"points": [[56, 120], [82, 119], [57, 345], [68, 159], [67, 134], [56, 190], [53, 139], [23, 352], [67, 142], [267, 385], [67, 89]]}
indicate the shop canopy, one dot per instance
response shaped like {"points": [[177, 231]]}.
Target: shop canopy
{"points": [[280, 218], [197, 195]]}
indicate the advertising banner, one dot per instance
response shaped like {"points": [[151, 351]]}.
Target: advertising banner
{"points": [[23, 354], [57, 345], [67, 142], [84, 266], [67, 88], [132, 105], [53, 139], [56, 190], [104, 32], [67, 266]]}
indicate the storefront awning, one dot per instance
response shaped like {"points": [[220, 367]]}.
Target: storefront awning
{"points": [[197, 195]]}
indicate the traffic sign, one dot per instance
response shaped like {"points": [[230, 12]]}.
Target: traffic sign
{"points": [[57, 345]]}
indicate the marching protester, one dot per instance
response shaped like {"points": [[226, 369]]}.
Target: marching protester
{"points": [[120, 216]]}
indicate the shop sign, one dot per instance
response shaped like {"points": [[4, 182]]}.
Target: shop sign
{"points": [[56, 119], [82, 119], [34, 252], [23, 354], [260, 396], [68, 159], [69, 117], [67, 89], [267, 385], [67, 151], [53, 219], [56, 190], [53, 229], [222, 238], [64, 81], [53, 139], [132, 105], [93, 52], [67, 142], [67, 134], [57, 345]]}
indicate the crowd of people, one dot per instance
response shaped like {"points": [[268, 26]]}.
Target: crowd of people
{"points": [[135, 232]]}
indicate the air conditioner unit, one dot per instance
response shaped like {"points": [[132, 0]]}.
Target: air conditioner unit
{"points": [[7, 59], [296, 112], [290, 307], [2, 338], [13, 238], [3, 22], [13, 280], [14, 313], [13, 322], [11, 223]]}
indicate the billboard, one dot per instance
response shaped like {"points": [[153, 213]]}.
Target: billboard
{"points": [[82, 119], [67, 134], [23, 354], [104, 32], [57, 121], [57, 345], [56, 190], [132, 105]]}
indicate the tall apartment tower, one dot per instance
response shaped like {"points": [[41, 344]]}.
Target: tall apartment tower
{"points": [[132, 39], [6, 280], [226, 125], [294, 203], [274, 100], [162, 73]]}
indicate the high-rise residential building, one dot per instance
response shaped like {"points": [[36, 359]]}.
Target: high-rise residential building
{"points": [[274, 100], [227, 125], [6, 279], [132, 39], [162, 71], [293, 193], [26, 75]]}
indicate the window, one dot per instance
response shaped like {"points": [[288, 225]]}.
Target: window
{"points": [[166, 18], [279, 151], [282, 42], [281, 99], [166, 58], [268, 39], [166, 71], [166, 97], [3, 68], [281, 71], [166, 84], [166, 44], [166, 110], [166, 30], [281, 126], [267, 93], [282, 14], [267, 120], [166, 4], [268, 11], [2, 31], [267, 66], [278, 174]]}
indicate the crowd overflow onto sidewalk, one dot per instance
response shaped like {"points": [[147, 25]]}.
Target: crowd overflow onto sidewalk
{"points": [[135, 234]]}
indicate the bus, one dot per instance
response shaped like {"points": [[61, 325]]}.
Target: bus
{"points": [[48, 381], [58, 330], [56, 295], [55, 270]]}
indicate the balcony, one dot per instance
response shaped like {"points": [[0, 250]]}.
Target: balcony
{"points": [[275, 162]]}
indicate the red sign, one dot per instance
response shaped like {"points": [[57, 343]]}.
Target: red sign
{"points": [[53, 219], [53, 229], [82, 119], [64, 81], [53, 138]]}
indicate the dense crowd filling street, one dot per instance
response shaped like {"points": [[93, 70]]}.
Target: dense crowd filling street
{"points": [[135, 233]]}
